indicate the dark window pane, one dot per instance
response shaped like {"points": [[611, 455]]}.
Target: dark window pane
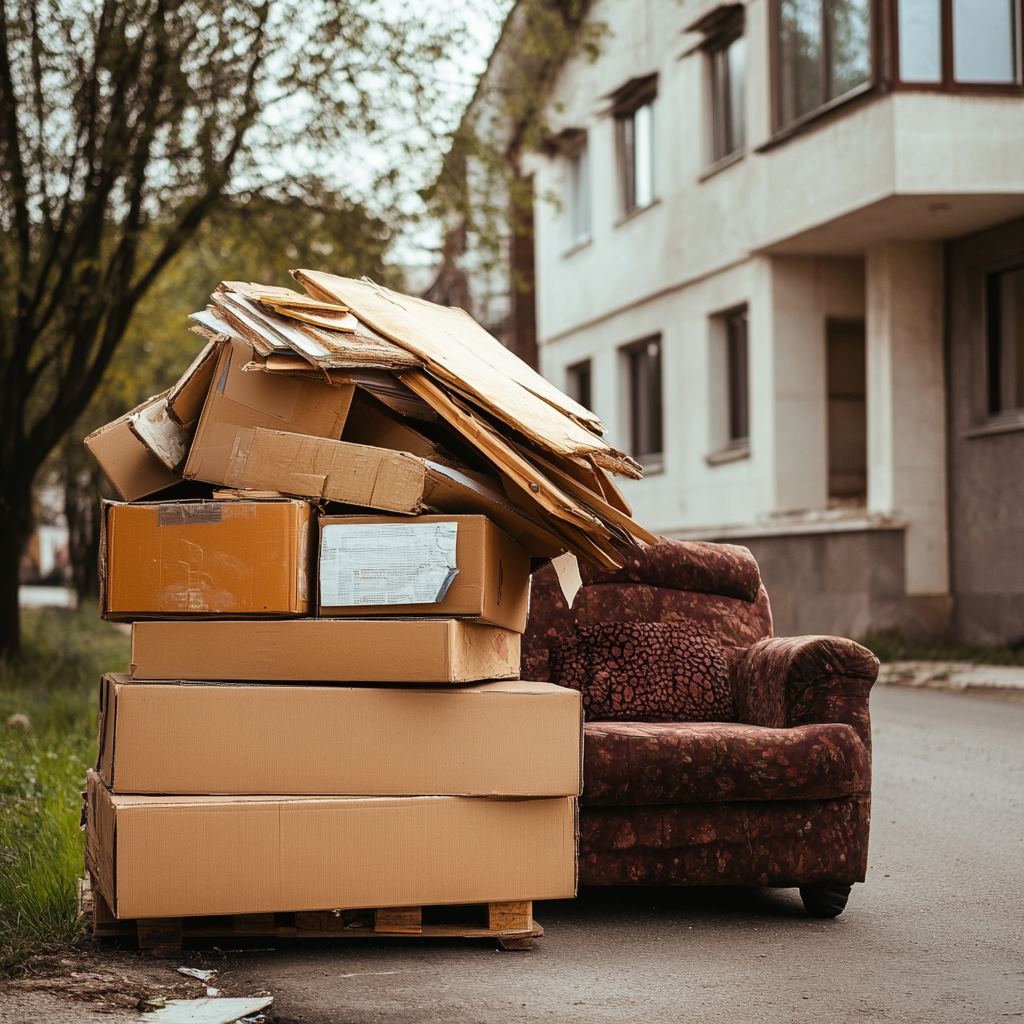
{"points": [[728, 83], [1005, 328], [579, 378], [984, 41], [645, 413], [738, 376], [800, 85], [920, 40], [847, 411], [849, 42]]}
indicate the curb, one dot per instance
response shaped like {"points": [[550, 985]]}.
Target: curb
{"points": [[955, 676]]}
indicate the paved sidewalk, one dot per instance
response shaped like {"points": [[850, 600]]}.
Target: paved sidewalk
{"points": [[952, 675]]}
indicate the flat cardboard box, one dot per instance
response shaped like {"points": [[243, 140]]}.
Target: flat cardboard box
{"points": [[205, 558], [374, 478], [240, 400], [508, 739], [128, 463], [364, 558], [325, 650], [184, 856]]}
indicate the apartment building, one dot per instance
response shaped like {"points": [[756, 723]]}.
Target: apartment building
{"points": [[779, 249]]}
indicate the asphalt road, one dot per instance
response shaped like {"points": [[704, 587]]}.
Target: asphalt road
{"points": [[935, 935]]}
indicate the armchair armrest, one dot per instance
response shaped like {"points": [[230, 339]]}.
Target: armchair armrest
{"points": [[782, 681]]}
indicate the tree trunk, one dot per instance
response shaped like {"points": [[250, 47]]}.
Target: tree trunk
{"points": [[16, 509], [82, 493]]}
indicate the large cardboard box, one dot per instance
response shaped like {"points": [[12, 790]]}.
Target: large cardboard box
{"points": [[171, 856], [512, 739], [443, 565], [127, 462], [325, 650], [241, 400], [193, 558]]}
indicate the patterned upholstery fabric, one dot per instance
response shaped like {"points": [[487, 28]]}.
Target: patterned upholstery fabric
{"points": [[646, 671], [780, 796], [789, 842], [636, 763], [724, 569]]}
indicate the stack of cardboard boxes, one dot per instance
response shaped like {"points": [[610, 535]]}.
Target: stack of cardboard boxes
{"points": [[323, 711]]}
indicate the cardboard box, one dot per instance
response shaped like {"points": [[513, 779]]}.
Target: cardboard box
{"points": [[512, 739], [375, 478], [443, 565], [240, 400], [205, 558], [171, 856], [128, 463], [325, 650]]}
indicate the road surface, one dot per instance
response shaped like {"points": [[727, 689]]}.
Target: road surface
{"points": [[936, 935]]}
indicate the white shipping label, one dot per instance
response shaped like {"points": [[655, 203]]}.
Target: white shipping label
{"points": [[393, 563]]}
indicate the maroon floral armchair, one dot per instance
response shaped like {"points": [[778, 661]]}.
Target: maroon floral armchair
{"points": [[715, 753]]}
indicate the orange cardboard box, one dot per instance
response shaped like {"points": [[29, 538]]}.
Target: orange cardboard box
{"points": [[509, 739], [193, 558], [184, 856], [427, 565], [406, 651]]}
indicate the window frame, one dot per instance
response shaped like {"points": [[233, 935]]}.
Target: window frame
{"points": [[732, 377], [984, 390], [948, 82], [573, 373], [783, 129], [576, 153], [723, 446], [716, 48], [625, 102], [653, 461]]}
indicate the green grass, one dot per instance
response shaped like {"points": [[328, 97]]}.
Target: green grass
{"points": [[894, 647], [42, 771]]}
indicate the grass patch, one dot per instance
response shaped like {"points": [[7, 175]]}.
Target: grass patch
{"points": [[894, 647], [42, 770]]}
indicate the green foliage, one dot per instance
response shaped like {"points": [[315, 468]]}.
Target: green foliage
{"points": [[891, 646], [42, 770]]}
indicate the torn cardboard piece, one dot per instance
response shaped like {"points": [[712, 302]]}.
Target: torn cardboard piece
{"points": [[240, 401], [185, 856], [240, 557], [209, 1010], [129, 464], [438, 650], [167, 439], [498, 739], [492, 572], [460, 352], [374, 478]]}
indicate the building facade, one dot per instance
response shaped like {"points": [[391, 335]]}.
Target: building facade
{"points": [[779, 250]]}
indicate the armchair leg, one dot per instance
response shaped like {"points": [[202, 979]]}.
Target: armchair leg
{"points": [[824, 900]]}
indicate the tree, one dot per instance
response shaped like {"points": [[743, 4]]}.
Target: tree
{"points": [[124, 124]]}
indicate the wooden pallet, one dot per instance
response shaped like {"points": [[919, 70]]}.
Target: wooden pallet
{"points": [[510, 925]]}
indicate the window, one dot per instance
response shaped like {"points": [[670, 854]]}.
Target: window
{"points": [[737, 379], [846, 373], [633, 106], [1004, 333], [578, 383], [578, 198], [984, 48], [824, 54], [727, 65], [643, 380]]}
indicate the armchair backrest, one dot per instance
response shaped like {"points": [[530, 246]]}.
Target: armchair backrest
{"points": [[717, 586]]}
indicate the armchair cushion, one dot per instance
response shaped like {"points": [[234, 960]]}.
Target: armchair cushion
{"points": [[638, 763], [646, 671]]}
